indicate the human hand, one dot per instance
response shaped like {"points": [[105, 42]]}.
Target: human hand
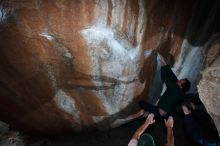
{"points": [[150, 119], [186, 110], [139, 113], [169, 122]]}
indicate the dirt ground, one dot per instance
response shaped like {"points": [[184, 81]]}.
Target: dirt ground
{"points": [[115, 137]]}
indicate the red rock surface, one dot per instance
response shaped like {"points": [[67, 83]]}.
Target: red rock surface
{"points": [[71, 65]]}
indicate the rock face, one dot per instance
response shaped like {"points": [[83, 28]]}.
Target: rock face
{"points": [[70, 65], [209, 86]]}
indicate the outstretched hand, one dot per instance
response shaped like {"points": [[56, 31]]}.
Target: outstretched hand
{"points": [[169, 122], [143, 127], [139, 113], [150, 119], [186, 110]]}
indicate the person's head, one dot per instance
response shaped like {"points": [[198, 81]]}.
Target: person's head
{"points": [[146, 140], [184, 84]]}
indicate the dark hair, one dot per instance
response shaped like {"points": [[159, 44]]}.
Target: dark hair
{"points": [[186, 85]]}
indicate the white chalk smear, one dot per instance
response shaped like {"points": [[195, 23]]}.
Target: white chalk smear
{"points": [[112, 55], [3, 14], [147, 53], [47, 36], [67, 104]]}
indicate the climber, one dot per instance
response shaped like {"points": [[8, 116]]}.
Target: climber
{"points": [[199, 125], [146, 140], [168, 101], [172, 96]]}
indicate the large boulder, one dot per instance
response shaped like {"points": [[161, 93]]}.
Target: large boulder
{"points": [[71, 65], [209, 85]]}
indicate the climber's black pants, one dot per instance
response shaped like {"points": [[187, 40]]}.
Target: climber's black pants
{"points": [[152, 109]]}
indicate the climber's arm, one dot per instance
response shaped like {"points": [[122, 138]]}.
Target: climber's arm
{"points": [[170, 137], [144, 126]]}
